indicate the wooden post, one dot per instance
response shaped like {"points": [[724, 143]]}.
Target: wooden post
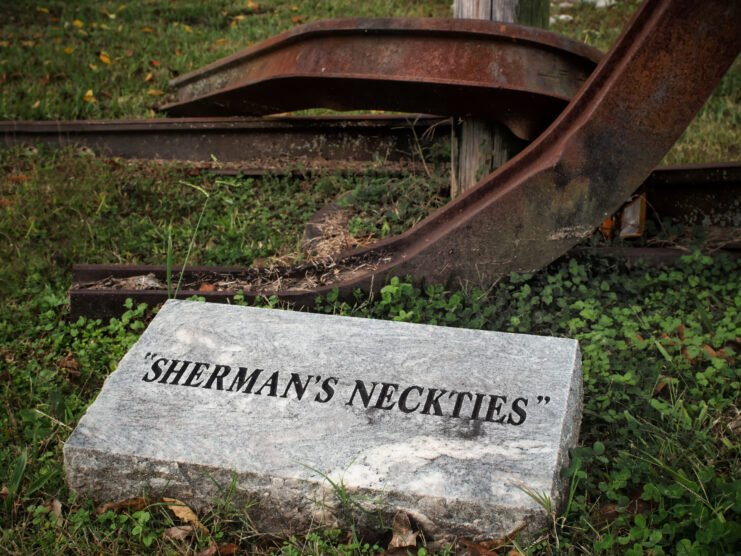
{"points": [[478, 147]]}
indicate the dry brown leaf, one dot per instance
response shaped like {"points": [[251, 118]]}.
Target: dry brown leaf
{"points": [[476, 549], [6, 202], [18, 178], [403, 534], [514, 552], [178, 533], [184, 513], [128, 505], [209, 551], [56, 508], [4, 492], [155, 63], [155, 92], [206, 287], [660, 385], [226, 548]]}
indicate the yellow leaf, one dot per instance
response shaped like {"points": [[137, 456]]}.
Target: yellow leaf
{"points": [[294, 8], [251, 5], [77, 23], [104, 58], [93, 67], [104, 26], [4, 43], [187, 28], [28, 43], [178, 53], [68, 50], [147, 30], [220, 41], [148, 77], [36, 104], [239, 17], [45, 10], [184, 513], [89, 96], [155, 92]]}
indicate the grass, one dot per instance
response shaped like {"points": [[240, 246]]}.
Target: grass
{"points": [[657, 468]]}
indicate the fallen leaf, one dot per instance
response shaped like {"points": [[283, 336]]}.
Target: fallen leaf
{"points": [[104, 58], [106, 94], [155, 63], [93, 67], [297, 18], [178, 53], [403, 535], [206, 287], [36, 104], [184, 513], [68, 50], [77, 23], [514, 552], [4, 43], [220, 41], [18, 178], [476, 549], [129, 52], [28, 43], [148, 77], [6, 202], [155, 92], [45, 10], [127, 505], [178, 533], [56, 508], [146, 30], [188, 28], [210, 551], [251, 5], [226, 548], [4, 492], [661, 384], [88, 97]]}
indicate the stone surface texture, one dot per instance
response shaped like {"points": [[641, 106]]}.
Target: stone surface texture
{"points": [[455, 468]]}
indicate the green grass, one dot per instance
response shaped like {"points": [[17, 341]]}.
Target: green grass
{"points": [[657, 468]]}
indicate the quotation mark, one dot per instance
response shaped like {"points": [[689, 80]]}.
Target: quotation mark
{"points": [[544, 399], [150, 355]]}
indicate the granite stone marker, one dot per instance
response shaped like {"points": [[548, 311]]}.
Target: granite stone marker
{"points": [[450, 425]]}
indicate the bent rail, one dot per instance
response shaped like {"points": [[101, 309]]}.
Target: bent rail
{"points": [[516, 75], [600, 149]]}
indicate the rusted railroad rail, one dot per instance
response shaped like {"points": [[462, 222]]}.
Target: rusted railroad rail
{"points": [[516, 75], [599, 150], [252, 145], [629, 112], [708, 194]]}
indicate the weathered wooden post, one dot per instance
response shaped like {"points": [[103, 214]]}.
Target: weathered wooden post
{"points": [[480, 147]]}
